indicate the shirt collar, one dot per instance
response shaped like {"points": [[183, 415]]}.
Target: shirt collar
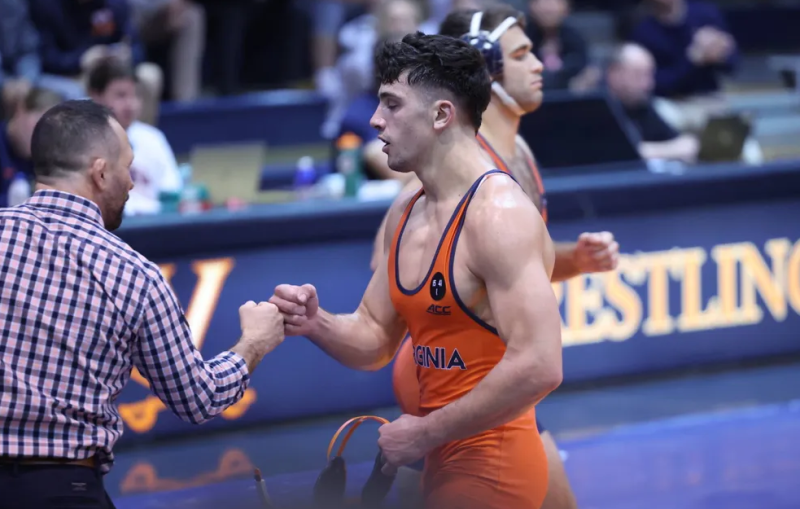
{"points": [[66, 204]]}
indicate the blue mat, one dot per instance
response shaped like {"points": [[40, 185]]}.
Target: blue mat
{"points": [[742, 459]]}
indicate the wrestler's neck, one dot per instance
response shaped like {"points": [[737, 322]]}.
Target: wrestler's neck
{"points": [[500, 127], [451, 168]]}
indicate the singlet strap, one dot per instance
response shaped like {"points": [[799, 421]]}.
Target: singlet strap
{"points": [[451, 249], [534, 169], [444, 240], [496, 159]]}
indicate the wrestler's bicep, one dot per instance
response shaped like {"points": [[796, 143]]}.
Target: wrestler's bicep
{"points": [[512, 258]]}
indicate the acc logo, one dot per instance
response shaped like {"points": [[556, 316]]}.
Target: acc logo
{"points": [[438, 289], [437, 358], [439, 310]]}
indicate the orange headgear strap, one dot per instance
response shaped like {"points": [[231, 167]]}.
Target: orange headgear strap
{"points": [[356, 422]]}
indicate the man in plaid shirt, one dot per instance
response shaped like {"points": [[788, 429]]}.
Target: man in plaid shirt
{"points": [[79, 309]]}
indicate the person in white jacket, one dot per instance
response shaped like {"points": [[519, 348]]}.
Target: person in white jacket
{"points": [[112, 83]]}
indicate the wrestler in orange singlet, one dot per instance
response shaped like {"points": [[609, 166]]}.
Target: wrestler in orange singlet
{"points": [[513, 96], [470, 283]]}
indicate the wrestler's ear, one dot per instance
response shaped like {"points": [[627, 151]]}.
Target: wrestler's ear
{"points": [[444, 114]]}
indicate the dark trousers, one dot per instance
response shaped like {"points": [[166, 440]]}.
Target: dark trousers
{"points": [[52, 487]]}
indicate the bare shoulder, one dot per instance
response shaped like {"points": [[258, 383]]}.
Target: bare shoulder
{"points": [[502, 222]]}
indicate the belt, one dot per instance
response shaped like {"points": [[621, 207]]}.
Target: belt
{"points": [[10, 460]]}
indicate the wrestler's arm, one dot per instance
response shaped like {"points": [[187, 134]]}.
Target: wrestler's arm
{"points": [[368, 338], [512, 262], [565, 266]]}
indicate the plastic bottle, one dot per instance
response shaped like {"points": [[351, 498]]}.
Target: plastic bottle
{"points": [[19, 190], [304, 177], [349, 163], [190, 200]]}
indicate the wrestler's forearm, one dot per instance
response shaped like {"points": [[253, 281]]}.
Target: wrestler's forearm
{"points": [[565, 266], [351, 339], [509, 390]]}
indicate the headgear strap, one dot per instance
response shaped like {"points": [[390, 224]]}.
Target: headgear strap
{"points": [[487, 44]]}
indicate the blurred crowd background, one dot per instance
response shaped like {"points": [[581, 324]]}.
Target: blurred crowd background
{"points": [[671, 65]]}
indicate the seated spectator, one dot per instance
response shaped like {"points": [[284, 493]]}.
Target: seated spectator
{"points": [[357, 38], [560, 47], [20, 65], [356, 120], [327, 17], [112, 83], [77, 33], [630, 79], [181, 24], [692, 49], [16, 134]]}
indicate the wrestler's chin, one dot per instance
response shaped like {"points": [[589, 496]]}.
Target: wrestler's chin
{"points": [[533, 102]]}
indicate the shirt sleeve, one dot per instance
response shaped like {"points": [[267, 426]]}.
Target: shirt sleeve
{"points": [[656, 129], [194, 389]]}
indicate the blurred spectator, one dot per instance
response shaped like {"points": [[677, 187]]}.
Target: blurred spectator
{"points": [[77, 33], [357, 38], [19, 60], [227, 23], [356, 120], [439, 9], [181, 26], [20, 65], [560, 47], [692, 48], [630, 78], [328, 16], [16, 134], [112, 83]]}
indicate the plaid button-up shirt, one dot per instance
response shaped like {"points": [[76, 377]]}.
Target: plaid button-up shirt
{"points": [[78, 309]]}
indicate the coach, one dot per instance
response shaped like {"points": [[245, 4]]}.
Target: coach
{"points": [[79, 309]]}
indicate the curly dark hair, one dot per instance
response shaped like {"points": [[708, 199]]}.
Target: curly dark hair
{"points": [[438, 63]]}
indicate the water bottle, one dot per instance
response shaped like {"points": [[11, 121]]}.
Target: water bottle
{"points": [[304, 177], [190, 196], [19, 190], [349, 164]]}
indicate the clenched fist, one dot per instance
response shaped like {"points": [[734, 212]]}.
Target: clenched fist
{"points": [[299, 306], [596, 252], [262, 326]]}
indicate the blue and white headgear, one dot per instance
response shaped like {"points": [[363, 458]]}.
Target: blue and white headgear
{"points": [[488, 44]]}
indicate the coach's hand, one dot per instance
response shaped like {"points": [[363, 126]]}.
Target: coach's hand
{"points": [[402, 442], [262, 331], [299, 306], [262, 324], [596, 252]]}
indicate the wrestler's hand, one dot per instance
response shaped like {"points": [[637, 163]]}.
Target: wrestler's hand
{"points": [[299, 306], [596, 252], [402, 442]]}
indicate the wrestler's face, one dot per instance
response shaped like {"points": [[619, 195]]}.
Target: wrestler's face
{"points": [[522, 71], [405, 120]]}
